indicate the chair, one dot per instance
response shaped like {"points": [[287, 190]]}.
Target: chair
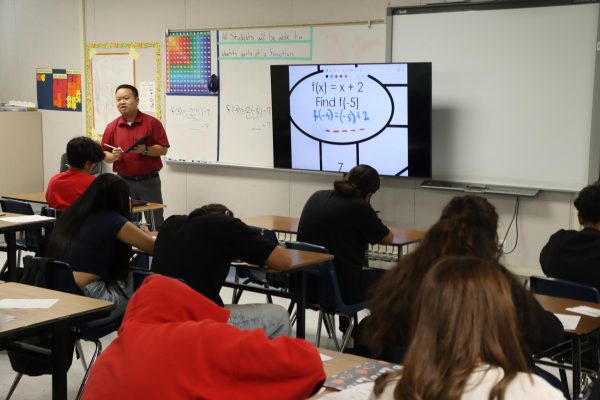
{"points": [[562, 288], [59, 276], [330, 297], [29, 238], [64, 165]]}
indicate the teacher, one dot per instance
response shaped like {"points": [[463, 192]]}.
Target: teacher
{"points": [[133, 143]]}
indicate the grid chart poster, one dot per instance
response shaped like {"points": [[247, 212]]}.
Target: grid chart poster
{"points": [[58, 89], [188, 62]]}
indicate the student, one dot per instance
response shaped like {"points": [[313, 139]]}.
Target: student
{"points": [[464, 340], [199, 249], [343, 221], [467, 227], [64, 188], [575, 255], [94, 236], [175, 343]]}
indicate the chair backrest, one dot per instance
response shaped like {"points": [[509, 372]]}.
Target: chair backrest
{"points": [[563, 288], [330, 296], [59, 276], [32, 235]]}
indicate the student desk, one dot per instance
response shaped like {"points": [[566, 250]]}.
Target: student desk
{"points": [[339, 362], [586, 326], [9, 229], [40, 198], [379, 256], [70, 310], [300, 259]]}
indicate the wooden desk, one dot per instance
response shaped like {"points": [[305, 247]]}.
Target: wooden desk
{"points": [[9, 230], [278, 223], [40, 198], [70, 310], [339, 362], [300, 259], [586, 326]]}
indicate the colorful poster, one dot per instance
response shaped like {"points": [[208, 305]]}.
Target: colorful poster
{"points": [[147, 96], [58, 89], [188, 62]]}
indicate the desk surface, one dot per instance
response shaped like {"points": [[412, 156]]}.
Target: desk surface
{"points": [[40, 197], [559, 305], [339, 363], [68, 306], [290, 225], [11, 226]]}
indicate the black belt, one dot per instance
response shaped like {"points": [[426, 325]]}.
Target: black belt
{"points": [[141, 177]]}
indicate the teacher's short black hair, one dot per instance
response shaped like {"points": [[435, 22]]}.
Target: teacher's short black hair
{"points": [[130, 87]]}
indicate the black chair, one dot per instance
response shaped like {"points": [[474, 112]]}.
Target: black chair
{"points": [[571, 290], [29, 239], [330, 297], [59, 276]]}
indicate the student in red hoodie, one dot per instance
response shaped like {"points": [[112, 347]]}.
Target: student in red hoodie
{"points": [[175, 343], [66, 187]]}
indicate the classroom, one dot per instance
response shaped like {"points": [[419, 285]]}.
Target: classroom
{"points": [[54, 34]]}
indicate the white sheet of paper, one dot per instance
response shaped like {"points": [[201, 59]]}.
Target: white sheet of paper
{"points": [[6, 317], [568, 321], [358, 392], [25, 218], [325, 357], [27, 303], [585, 310]]}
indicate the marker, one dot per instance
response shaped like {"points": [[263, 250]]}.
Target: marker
{"points": [[109, 146]]}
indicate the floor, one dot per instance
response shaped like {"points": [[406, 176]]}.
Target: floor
{"points": [[38, 388]]}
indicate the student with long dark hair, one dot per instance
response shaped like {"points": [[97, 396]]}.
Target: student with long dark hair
{"points": [[467, 227], [464, 340], [94, 235]]}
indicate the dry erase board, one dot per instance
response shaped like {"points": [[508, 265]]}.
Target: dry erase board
{"points": [[515, 90], [240, 119]]}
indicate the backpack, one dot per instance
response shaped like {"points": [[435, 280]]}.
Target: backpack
{"points": [[36, 360]]}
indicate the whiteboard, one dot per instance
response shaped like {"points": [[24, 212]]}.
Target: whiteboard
{"points": [[244, 129], [513, 92]]}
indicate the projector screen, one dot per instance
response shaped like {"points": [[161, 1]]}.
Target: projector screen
{"points": [[515, 90]]}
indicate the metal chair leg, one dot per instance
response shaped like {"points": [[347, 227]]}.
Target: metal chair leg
{"points": [[14, 385], [347, 335], [331, 322], [81, 355], [318, 342], [97, 351]]}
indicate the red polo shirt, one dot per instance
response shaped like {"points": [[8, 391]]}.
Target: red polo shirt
{"points": [[66, 187], [120, 134]]}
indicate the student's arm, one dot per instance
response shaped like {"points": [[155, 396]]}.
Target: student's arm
{"points": [[279, 259], [134, 236], [388, 239]]}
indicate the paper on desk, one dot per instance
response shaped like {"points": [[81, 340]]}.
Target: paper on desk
{"points": [[358, 392], [325, 357], [6, 317], [27, 303], [568, 321], [25, 218], [585, 310]]}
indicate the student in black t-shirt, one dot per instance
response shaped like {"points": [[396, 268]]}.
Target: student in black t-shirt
{"points": [[575, 255], [199, 248], [343, 221]]}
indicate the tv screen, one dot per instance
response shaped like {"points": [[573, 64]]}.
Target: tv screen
{"points": [[331, 117]]}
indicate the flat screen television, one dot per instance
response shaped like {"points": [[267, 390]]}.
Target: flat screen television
{"points": [[331, 117]]}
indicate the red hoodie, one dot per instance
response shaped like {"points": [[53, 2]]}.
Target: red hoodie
{"points": [[174, 343]]}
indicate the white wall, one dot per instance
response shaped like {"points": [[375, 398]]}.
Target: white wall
{"points": [[50, 34]]}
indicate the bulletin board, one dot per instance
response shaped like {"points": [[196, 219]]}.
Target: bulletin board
{"points": [[108, 65]]}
